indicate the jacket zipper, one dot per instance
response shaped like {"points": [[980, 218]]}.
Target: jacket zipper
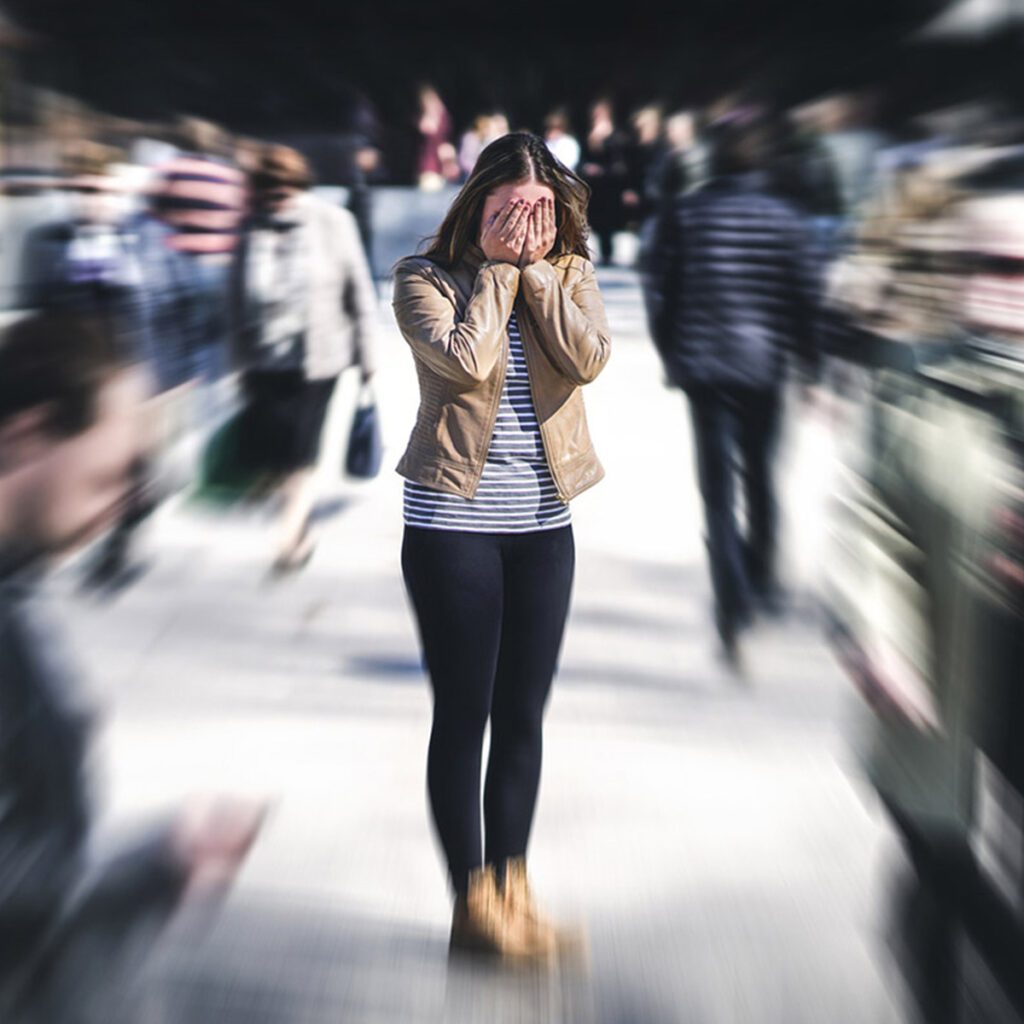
{"points": [[494, 411], [528, 316]]}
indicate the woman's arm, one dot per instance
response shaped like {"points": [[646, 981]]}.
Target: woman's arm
{"points": [[662, 282], [464, 351], [573, 325]]}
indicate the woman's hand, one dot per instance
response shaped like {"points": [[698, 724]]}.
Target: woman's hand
{"points": [[540, 232], [210, 839], [504, 233]]}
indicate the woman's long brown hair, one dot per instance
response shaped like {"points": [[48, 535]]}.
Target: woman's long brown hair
{"points": [[512, 160]]}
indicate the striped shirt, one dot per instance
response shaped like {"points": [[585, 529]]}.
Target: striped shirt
{"points": [[516, 493], [203, 200]]}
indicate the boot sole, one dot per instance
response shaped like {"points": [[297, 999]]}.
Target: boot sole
{"points": [[481, 948]]}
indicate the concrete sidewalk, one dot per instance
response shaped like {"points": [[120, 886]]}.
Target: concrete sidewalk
{"points": [[710, 832]]}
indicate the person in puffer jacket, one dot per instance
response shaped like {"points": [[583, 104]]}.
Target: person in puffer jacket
{"points": [[731, 299]]}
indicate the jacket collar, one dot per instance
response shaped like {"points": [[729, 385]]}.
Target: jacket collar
{"points": [[473, 256], [740, 181]]}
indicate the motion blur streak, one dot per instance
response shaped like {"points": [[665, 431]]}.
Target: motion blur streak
{"points": [[783, 771]]}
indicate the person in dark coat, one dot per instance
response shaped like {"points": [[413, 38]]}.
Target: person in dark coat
{"points": [[730, 298], [88, 263], [84, 262], [605, 168], [73, 927], [645, 154]]}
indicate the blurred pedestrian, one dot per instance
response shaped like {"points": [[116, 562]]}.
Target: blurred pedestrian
{"points": [[809, 175], [83, 262], [303, 309], [680, 166], [562, 143], [170, 307], [436, 161], [506, 325], [731, 293], [359, 143], [605, 168], [72, 929], [644, 155], [486, 128], [684, 162], [201, 198], [88, 264]]}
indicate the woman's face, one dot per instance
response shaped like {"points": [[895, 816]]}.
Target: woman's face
{"points": [[530, 191], [280, 199]]}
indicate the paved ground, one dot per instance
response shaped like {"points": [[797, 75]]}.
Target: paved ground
{"points": [[711, 833]]}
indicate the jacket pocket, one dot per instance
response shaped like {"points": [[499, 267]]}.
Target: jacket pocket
{"points": [[568, 432]]}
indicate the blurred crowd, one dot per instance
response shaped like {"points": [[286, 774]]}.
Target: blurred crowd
{"points": [[882, 261], [195, 247]]}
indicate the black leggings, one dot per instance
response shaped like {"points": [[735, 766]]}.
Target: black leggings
{"points": [[491, 610]]}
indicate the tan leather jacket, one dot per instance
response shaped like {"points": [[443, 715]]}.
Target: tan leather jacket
{"points": [[456, 321]]}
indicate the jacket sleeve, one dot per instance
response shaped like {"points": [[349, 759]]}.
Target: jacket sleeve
{"points": [[44, 808], [39, 869], [806, 299], [463, 351], [573, 325], [360, 295], [662, 278]]}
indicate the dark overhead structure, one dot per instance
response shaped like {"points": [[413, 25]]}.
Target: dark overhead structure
{"points": [[265, 63]]}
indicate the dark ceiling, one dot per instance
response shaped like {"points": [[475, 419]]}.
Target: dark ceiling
{"points": [[295, 65]]}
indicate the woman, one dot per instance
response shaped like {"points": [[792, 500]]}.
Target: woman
{"points": [[605, 167], [303, 309], [436, 160], [506, 324], [486, 128], [560, 139]]}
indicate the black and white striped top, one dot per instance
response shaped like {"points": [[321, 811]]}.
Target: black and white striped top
{"points": [[516, 493]]}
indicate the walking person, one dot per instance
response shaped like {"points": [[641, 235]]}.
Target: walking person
{"points": [[75, 925], [605, 167], [87, 264], [436, 159], [303, 309], [562, 143], [506, 325], [730, 296], [486, 128], [199, 195]]}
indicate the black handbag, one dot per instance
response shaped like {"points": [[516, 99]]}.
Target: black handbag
{"points": [[365, 447]]}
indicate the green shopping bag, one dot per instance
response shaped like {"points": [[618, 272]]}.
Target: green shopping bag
{"points": [[224, 476]]}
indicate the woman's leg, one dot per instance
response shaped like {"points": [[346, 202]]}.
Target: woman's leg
{"points": [[454, 581], [298, 489], [539, 569], [298, 494]]}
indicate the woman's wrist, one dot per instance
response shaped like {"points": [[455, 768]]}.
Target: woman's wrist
{"points": [[497, 263]]}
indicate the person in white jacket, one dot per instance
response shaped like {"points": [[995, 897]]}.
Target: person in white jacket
{"points": [[303, 310]]}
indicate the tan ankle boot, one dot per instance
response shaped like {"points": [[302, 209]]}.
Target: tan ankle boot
{"points": [[481, 923], [519, 902]]}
